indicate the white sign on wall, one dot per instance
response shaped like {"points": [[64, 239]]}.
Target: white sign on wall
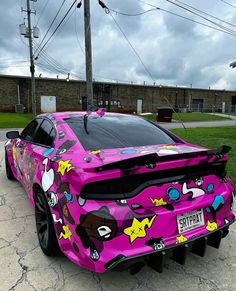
{"points": [[48, 104]]}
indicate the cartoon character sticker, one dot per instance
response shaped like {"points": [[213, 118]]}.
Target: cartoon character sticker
{"points": [[138, 228], [211, 226], [55, 218], [196, 192], [156, 243], [66, 234], [64, 188], [48, 176], [63, 149], [52, 199], [65, 210], [95, 228]]}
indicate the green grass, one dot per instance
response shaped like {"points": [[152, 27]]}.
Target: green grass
{"points": [[187, 117], [212, 138], [14, 120]]}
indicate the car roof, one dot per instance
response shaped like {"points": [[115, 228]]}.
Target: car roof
{"points": [[73, 114]]}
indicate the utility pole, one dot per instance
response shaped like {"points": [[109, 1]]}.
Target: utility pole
{"points": [[88, 53], [32, 66]]}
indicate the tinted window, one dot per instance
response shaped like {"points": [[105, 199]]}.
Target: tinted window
{"points": [[45, 134], [28, 132], [117, 132]]}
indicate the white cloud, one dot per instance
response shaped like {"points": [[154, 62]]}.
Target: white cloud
{"points": [[174, 50]]}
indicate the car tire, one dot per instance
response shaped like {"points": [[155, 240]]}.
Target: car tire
{"points": [[9, 173], [45, 226]]}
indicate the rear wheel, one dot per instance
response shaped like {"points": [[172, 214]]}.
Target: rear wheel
{"points": [[9, 173], [45, 227]]}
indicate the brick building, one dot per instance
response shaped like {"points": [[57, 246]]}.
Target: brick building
{"points": [[114, 96]]}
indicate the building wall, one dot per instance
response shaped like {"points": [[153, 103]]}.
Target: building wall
{"points": [[114, 96]]}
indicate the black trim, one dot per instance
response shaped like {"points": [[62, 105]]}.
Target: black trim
{"points": [[121, 262], [130, 185], [39, 144], [153, 158]]}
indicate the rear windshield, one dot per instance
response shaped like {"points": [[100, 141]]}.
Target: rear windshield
{"points": [[117, 132]]}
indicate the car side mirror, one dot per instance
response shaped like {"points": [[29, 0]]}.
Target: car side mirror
{"points": [[12, 134]]}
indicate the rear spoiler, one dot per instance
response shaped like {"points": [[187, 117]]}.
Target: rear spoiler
{"points": [[153, 158]]}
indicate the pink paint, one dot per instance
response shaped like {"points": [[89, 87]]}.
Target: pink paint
{"points": [[122, 226]]}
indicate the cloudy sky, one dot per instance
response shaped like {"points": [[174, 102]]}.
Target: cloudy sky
{"points": [[174, 50]]}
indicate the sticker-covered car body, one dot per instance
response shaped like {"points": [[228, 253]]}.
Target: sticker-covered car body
{"points": [[115, 203]]}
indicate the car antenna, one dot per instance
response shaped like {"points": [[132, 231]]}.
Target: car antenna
{"points": [[100, 112], [86, 123]]}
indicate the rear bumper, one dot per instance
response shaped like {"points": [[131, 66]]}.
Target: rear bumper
{"points": [[177, 252]]}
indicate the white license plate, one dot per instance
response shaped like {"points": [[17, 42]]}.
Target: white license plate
{"points": [[190, 220]]}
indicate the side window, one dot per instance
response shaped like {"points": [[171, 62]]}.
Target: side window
{"points": [[28, 133], [45, 134]]}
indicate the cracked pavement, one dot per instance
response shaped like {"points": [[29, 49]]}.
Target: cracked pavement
{"points": [[24, 266]]}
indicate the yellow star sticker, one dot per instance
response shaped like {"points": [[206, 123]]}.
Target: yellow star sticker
{"points": [[14, 152], [181, 239], [67, 233], [137, 229], [158, 202], [64, 166]]}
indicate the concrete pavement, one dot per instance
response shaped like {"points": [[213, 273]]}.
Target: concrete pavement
{"points": [[199, 124], [24, 267]]}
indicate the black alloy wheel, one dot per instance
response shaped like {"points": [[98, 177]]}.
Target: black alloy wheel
{"points": [[45, 226], [9, 173]]}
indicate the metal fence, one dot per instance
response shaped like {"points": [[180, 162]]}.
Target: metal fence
{"points": [[213, 109]]}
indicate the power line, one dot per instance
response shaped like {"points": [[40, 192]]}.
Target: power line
{"points": [[233, 32], [77, 36], [107, 10], [210, 15], [42, 11], [132, 15], [187, 18], [60, 23], [228, 3], [54, 19], [66, 21]]}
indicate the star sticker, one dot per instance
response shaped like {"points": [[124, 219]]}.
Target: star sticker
{"points": [[64, 166], [158, 202], [137, 229]]}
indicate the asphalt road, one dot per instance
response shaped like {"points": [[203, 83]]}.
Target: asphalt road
{"points": [[24, 267]]}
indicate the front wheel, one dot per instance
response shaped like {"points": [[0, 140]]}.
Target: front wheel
{"points": [[45, 227], [9, 173]]}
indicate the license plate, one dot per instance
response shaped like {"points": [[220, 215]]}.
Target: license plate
{"points": [[190, 220]]}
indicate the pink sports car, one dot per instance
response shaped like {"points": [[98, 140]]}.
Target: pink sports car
{"points": [[113, 191]]}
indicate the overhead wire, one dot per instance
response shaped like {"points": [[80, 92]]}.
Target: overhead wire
{"points": [[42, 12], [203, 17], [187, 18], [107, 10], [60, 28], [77, 35], [226, 2], [205, 13], [56, 29], [53, 21]]}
